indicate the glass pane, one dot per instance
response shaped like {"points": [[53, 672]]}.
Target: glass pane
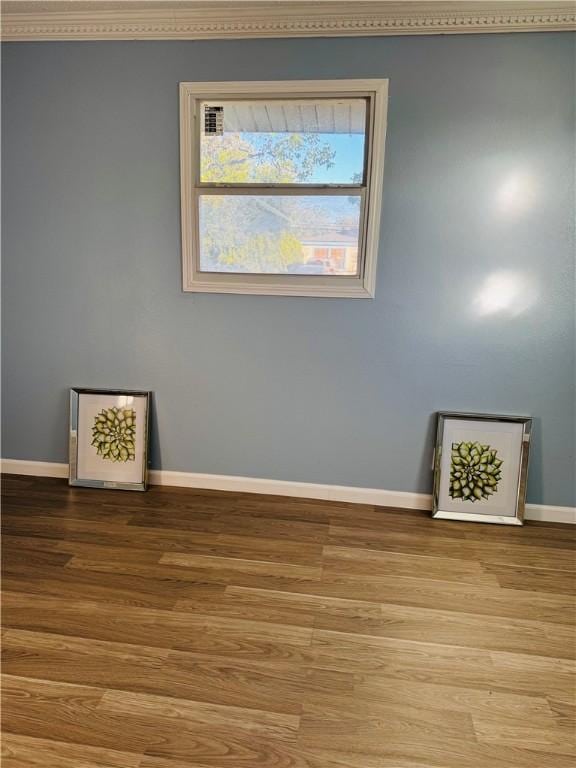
{"points": [[290, 141], [280, 234]]}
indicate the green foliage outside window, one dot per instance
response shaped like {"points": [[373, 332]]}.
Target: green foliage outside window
{"points": [[256, 233]]}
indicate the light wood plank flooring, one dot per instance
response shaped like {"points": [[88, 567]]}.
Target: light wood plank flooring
{"points": [[196, 629]]}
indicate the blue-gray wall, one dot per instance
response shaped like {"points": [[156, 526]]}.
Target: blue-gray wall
{"points": [[475, 296]]}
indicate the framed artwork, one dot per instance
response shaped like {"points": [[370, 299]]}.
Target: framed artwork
{"points": [[480, 467], [109, 438]]}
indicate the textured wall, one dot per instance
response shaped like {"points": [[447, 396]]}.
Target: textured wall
{"points": [[475, 296]]}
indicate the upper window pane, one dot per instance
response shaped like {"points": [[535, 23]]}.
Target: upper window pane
{"points": [[288, 141]]}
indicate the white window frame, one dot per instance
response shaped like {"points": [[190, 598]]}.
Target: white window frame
{"points": [[361, 285]]}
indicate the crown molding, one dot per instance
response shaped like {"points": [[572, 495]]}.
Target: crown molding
{"points": [[198, 19]]}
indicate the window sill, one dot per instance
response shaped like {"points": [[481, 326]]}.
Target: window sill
{"points": [[352, 289]]}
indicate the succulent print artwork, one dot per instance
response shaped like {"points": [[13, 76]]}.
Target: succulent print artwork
{"points": [[114, 434], [475, 471]]}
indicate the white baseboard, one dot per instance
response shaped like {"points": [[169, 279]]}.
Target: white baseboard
{"points": [[548, 514], [35, 468], [375, 496], [288, 488]]}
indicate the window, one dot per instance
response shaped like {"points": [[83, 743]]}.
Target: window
{"points": [[281, 186]]}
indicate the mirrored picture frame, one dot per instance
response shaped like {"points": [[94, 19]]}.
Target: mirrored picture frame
{"points": [[108, 438], [480, 467]]}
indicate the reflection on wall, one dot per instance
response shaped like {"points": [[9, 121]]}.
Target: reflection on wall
{"points": [[517, 193], [505, 292]]}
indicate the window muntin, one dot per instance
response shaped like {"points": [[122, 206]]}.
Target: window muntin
{"points": [[281, 186]]}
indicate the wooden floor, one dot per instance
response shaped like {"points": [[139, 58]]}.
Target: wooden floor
{"points": [[196, 629]]}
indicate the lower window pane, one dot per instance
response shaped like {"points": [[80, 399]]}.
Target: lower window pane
{"points": [[280, 234]]}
